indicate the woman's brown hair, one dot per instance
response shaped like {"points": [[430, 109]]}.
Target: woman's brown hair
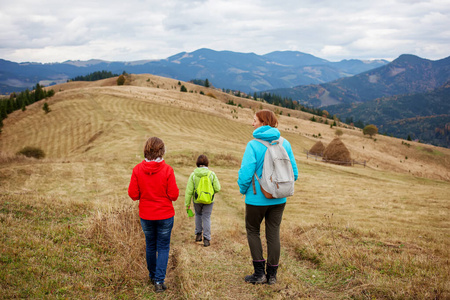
{"points": [[267, 117], [154, 148], [202, 160]]}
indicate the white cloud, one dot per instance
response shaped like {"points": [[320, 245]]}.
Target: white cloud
{"points": [[329, 50], [147, 29]]}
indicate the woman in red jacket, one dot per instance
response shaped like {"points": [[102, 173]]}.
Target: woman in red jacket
{"points": [[153, 184]]}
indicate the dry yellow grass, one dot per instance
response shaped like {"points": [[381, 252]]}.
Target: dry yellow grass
{"points": [[69, 229]]}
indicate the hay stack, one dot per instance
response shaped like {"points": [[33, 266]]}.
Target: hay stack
{"points": [[317, 149], [337, 153]]}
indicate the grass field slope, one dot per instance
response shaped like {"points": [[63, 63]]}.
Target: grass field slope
{"points": [[69, 230]]}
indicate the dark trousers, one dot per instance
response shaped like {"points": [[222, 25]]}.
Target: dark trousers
{"points": [[273, 215]]}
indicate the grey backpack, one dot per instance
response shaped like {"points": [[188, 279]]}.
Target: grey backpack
{"points": [[277, 179]]}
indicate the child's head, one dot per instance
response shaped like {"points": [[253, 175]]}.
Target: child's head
{"points": [[154, 148], [202, 160]]}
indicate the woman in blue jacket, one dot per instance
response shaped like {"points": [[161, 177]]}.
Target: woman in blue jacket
{"points": [[257, 206]]}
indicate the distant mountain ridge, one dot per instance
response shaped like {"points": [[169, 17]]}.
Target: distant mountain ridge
{"points": [[407, 97], [405, 75], [247, 72], [422, 116]]}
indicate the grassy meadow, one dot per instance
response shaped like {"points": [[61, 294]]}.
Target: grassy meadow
{"points": [[70, 231]]}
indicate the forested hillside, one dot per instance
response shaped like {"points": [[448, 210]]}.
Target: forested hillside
{"points": [[420, 116]]}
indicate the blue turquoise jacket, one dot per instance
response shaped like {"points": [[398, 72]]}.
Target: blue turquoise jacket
{"points": [[253, 161]]}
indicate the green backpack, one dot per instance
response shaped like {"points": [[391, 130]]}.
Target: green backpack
{"points": [[204, 193]]}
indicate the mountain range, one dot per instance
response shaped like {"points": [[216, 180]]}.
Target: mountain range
{"points": [[247, 72], [405, 75], [409, 97], [406, 97]]}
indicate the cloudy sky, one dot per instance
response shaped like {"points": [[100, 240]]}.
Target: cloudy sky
{"points": [[129, 30]]}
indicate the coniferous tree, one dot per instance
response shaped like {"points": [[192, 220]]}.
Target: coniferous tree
{"points": [[26, 97], [3, 113], [38, 93], [10, 105], [46, 108], [18, 102]]}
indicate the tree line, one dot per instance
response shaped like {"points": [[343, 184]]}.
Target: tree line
{"points": [[289, 103], [22, 100], [95, 76]]}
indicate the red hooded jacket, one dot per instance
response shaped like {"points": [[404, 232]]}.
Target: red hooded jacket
{"points": [[153, 184]]}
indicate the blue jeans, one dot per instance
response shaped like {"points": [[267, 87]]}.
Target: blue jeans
{"points": [[157, 240]]}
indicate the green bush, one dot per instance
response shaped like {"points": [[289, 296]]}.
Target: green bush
{"points": [[338, 132], [371, 130], [32, 152], [121, 80]]}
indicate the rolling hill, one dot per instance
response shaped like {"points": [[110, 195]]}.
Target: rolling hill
{"points": [[166, 91], [246, 72], [70, 230]]}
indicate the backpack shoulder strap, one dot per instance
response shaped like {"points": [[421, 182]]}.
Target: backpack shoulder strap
{"points": [[265, 143], [211, 178]]}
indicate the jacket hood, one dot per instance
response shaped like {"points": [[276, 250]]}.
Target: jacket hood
{"points": [[152, 167], [200, 172], [266, 133]]}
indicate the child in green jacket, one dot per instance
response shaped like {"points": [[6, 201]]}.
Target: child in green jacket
{"points": [[202, 211]]}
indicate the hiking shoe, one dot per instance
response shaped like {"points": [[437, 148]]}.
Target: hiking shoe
{"points": [[259, 277], [271, 280], [160, 287], [206, 243], [255, 279], [198, 237], [271, 274]]}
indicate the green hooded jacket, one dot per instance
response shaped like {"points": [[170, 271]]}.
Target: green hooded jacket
{"points": [[195, 176]]}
